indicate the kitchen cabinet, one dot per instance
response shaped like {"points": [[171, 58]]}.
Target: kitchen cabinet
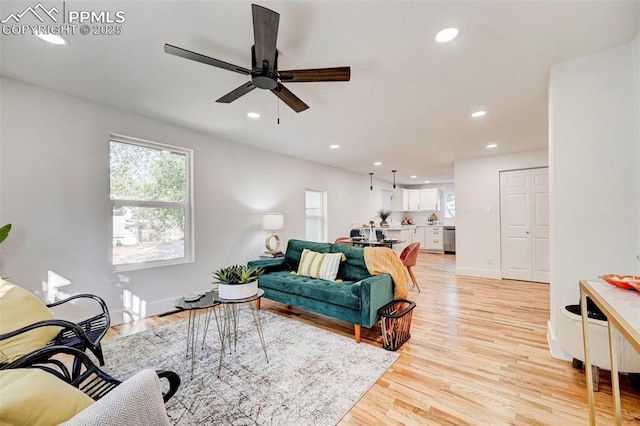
{"points": [[397, 200], [419, 236], [434, 239], [411, 200], [429, 199]]}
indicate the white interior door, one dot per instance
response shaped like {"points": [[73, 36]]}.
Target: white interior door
{"points": [[524, 217], [540, 224], [515, 217]]}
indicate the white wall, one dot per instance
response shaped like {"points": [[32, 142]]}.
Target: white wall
{"points": [[478, 209], [594, 173], [54, 167], [636, 67]]}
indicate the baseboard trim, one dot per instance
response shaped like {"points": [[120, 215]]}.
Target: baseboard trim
{"points": [[554, 345], [159, 307], [483, 273]]}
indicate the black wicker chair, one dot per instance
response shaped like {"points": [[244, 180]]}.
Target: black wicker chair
{"points": [[83, 335], [76, 368]]}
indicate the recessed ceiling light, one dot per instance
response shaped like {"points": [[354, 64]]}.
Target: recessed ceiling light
{"points": [[479, 114], [413, 176], [427, 181], [334, 146], [52, 38], [253, 115], [492, 145], [377, 163], [446, 35]]}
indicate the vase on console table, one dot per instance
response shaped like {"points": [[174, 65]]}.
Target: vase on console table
{"points": [[372, 234]]}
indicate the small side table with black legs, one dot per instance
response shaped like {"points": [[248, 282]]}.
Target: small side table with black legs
{"points": [[227, 321], [197, 307]]}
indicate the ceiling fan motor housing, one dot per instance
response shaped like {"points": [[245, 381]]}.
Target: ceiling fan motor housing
{"points": [[261, 77]]}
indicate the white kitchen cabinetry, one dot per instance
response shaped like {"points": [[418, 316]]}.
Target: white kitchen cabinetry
{"points": [[419, 236], [434, 239], [398, 200], [412, 200], [429, 199]]}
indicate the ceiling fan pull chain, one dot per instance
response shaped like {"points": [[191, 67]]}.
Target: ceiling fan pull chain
{"points": [[278, 103]]}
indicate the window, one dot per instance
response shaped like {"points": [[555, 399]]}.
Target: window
{"points": [[151, 203], [449, 205], [315, 211]]}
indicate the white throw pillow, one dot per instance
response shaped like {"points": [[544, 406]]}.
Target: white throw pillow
{"points": [[323, 266]]}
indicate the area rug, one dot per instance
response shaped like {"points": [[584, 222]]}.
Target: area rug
{"points": [[313, 376]]}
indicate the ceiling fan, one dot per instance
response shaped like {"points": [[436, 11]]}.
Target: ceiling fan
{"points": [[264, 71]]}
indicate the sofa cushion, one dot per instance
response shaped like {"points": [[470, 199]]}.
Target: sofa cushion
{"points": [[354, 268], [326, 291], [30, 396], [294, 251], [20, 308], [323, 266]]}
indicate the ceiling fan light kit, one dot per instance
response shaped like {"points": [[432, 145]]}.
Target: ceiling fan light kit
{"points": [[264, 71]]}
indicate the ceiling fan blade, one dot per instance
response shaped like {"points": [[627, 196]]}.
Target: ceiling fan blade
{"points": [[294, 102], [236, 93], [187, 54], [265, 34], [318, 74]]}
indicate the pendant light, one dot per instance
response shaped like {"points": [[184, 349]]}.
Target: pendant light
{"points": [[371, 181], [394, 178]]}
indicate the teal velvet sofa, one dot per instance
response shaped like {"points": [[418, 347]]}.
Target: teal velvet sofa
{"points": [[355, 300]]}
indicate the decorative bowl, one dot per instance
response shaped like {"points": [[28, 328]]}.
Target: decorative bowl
{"points": [[626, 282]]}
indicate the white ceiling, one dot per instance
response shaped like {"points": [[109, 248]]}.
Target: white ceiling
{"points": [[409, 100]]}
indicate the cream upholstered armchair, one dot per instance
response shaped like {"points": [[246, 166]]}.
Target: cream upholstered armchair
{"points": [[28, 325]]}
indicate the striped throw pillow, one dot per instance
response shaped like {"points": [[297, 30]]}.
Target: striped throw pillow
{"points": [[323, 266]]}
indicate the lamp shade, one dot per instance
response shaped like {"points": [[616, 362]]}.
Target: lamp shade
{"points": [[272, 221]]}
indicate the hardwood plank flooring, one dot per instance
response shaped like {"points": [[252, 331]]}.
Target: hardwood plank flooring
{"points": [[478, 355]]}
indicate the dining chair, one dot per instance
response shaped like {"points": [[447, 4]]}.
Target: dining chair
{"points": [[409, 257], [345, 241]]}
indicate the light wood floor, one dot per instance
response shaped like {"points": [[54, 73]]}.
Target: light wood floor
{"points": [[478, 355]]}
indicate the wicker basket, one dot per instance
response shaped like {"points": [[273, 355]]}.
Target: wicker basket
{"points": [[396, 323]]}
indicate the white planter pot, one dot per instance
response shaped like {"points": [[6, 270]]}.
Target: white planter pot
{"points": [[237, 291]]}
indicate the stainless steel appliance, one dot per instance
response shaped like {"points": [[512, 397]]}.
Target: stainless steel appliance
{"points": [[450, 239]]}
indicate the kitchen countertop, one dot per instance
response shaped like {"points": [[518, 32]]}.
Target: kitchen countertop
{"points": [[400, 228]]}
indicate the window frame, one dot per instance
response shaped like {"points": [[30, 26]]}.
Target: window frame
{"points": [[187, 205], [447, 212], [322, 217]]}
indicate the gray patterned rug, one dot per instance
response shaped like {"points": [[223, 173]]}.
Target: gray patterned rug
{"points": [[313, 376]]}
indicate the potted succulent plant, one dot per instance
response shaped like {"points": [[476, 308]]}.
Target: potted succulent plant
{"points": [[384, 214], [237, 281]]}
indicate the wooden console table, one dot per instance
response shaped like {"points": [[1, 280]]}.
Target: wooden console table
{"points": [[622, 308]]}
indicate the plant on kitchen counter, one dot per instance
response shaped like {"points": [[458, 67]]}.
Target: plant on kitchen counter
{"points": [[384, 214]]}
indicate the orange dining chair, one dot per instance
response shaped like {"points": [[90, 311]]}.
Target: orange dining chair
{"points": [[345, 241], [409, 257]]}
